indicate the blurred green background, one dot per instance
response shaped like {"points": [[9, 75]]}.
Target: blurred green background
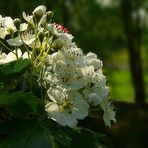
{"points": [[117, 31]]}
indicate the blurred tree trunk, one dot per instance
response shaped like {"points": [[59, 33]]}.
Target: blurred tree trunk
{"points": [[133, 36]]}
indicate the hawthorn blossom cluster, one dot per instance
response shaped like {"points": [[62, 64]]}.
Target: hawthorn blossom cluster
{"points": [[74, 82]]}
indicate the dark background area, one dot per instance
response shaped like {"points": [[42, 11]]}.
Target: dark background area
{"points": [[117, 31]]}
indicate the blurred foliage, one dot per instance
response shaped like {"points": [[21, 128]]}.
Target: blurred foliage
{"points": [[94, 28]]}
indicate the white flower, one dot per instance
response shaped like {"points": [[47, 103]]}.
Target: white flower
{"points": [[99, 79], [91, 59], [7, 27], [28, 38], [65, 36], [3, 32], [58, 33], [95, 95], [2, 58], [92, 76], [88, 72], [28, 18], [109, 113], [63, 39], [15, 42], [67, 107], [52, 29], [57, 56], [1, 19], [69, 76], [8, 23], [12, 56], [48, 60], [26, 55], [74, 56], [23, 26]]}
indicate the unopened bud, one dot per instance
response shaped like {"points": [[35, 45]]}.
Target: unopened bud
{"points": [[49, 15], [41, 36], [43, 20], [48, 34], [57, 44], [39, 11], [17, 23]]}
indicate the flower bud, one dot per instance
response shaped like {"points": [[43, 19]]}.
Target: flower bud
{"points": [[48, 34], [49, 15], [41, 36], [57, 44], [39, 11], [17, 23], [43, 20]]}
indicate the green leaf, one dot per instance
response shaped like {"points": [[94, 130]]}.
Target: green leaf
{"points": [[84, 138], [60, 138], [26, 134], [6, 69], [65, 137], [19, 103], [21, 64], [12, 70]]}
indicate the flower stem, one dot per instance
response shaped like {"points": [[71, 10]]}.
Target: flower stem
{"points": [[6, 46]]}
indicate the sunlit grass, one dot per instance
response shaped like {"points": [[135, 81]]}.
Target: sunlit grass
{"points": [[119, 77], [121, 86]]}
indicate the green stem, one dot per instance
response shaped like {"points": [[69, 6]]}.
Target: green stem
{"points": [[42, 50], [28, 51], [45, 54], [6, 46], [31, 78], [36, 33], [42, 95]]}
